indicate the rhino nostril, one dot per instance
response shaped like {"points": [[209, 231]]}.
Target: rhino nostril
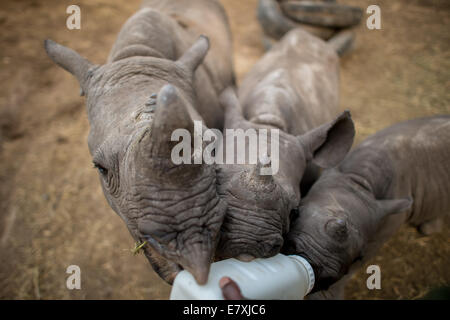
{"points": [[273, 247]]}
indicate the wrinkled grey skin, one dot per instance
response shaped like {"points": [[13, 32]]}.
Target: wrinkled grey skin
{"points": [[293, 88], [399, 175], [153, 83]]}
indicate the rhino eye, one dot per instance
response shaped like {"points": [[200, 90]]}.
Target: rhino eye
{"points": [[103, 171]]}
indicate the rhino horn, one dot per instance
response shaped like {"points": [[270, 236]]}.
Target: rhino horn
{"points": [[197, 261], [171, 114]]}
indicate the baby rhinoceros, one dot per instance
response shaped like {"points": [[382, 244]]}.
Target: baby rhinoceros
{"points": [[157, 80], [292, 91], [401, 174]]}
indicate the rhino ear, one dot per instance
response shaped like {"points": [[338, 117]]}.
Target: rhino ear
{"points": [[232, 108], [70, 61], [328, 144], [394, 206], [194, 56], [171, 114]]}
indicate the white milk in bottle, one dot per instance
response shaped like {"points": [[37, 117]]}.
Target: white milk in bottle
{"points": [[280, 277]]}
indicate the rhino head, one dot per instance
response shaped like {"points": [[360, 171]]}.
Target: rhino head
{"points": [[337, 225], [259, 206], [134, 104]]}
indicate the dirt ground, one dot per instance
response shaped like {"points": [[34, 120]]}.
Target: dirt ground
{"points": [[52, 211]]}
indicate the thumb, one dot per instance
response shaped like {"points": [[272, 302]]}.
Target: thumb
{"points": [[230, 289]]}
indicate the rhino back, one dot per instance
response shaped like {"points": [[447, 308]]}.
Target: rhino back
{"points": [[166, 29], [411, 158], [203, 17], [297, 81]]}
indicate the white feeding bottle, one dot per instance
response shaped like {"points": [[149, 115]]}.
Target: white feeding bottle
{"points": [[279, 278]]}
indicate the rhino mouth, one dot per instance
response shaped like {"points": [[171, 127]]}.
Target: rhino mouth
{"points": [[247, 252], [249, 231], [327, 265], [249, 241], [196, 259]]}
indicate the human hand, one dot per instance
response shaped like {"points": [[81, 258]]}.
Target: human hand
{"points": [[230, 289]]}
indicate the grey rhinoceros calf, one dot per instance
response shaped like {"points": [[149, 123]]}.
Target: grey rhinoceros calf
{"points": [[153, 83], [293, 88], [399, 175]]}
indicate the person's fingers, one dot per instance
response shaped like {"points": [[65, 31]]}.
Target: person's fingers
{"points": [[230, 289]]}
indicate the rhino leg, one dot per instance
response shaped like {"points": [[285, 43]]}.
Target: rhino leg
{"points": [[430, 227]]}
